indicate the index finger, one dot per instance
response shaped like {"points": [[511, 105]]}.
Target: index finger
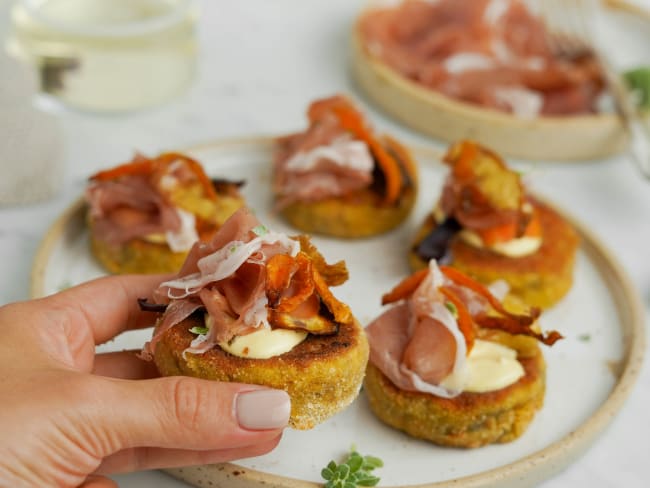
{"points": [[108, 305]]}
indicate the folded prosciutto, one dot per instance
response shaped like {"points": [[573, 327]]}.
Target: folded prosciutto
{"points": [[485, 203], [439, 314], [249, 278], [167, 199], [492, 53], [336, 156]]}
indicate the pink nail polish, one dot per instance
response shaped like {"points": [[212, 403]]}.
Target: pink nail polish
{"points": [[263, 409]]}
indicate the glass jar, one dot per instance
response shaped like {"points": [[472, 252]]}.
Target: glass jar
{"points": [[107, 55]]}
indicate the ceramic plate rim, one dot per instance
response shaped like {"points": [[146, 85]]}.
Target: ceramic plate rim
{"points": [[414, 105]]}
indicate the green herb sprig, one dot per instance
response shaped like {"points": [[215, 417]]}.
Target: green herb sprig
{"points": [[355, 471], [197, 329], [452, 308], [638, 79]]}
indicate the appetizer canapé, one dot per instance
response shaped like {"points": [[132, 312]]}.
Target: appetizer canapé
{"points": [[145, 215], [339, 178], [452, 364], [488, 226], [254, 306]]}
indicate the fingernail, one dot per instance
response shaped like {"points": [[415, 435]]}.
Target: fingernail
{"points": [[263, 409]]}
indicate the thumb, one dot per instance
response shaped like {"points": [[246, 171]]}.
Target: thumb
{"points": [[189, 413], [98, 482]]}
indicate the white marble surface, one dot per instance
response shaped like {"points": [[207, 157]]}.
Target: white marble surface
{"points": [[260, 63]]}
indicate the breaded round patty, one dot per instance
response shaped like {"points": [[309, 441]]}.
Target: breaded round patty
{"points": [[358, 215], [136, 256], [468, 420], [322, 374], [539, 279]]}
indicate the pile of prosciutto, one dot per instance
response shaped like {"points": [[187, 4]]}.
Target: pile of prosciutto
{"points": [[431, 328], [248, 278], [492, 53], [135, 200]]}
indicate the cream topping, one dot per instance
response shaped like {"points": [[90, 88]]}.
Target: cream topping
{"points": [[514, 248], [489, 367], [264, 343]]}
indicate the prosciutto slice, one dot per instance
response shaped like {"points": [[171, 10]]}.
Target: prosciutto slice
{"points": [[428, 333], [417, 343], [129, 208], [134, 201], [228, 278], [324, 161]]}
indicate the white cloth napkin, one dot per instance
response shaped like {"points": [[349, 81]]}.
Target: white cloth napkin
{"points": [[31, 163]]}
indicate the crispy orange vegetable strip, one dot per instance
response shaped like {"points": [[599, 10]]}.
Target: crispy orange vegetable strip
{"points": [[301, 278], [351, 119], [508, 231], [465, 322], [405, 287], [464, 158], [509, 322], [506, 321], [461, 157], [333, 274], [513, 327], [340, 311], [196, 168], [141, 165], [301, 285], [317, 324], [464, 280], [279, 270], [403, 155]]}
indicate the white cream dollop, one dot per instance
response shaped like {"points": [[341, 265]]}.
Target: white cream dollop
{"points": [[489, 367], [264, 343], [514, 248]]}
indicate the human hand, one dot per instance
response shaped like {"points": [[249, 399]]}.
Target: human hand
{"points": [[68, 416]]}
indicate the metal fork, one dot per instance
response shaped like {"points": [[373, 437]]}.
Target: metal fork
{"points": [[571, 34]]}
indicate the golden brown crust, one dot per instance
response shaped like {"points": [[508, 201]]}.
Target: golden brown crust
{"points": [[354, 216], [322, 375], [468, 420], [361, 214], [539, 279], [140, 256], [136, 256]]}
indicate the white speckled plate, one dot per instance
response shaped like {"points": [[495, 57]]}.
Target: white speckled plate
{"points": [[589, 373]]}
